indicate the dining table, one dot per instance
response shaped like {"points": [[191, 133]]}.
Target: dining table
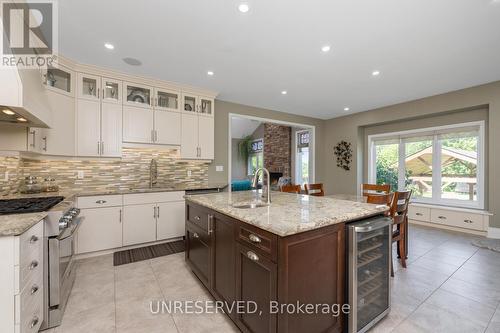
{"points": [[364, 199]]}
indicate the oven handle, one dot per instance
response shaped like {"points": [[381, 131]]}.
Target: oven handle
{"points": [[77, 222], [54, 292]]}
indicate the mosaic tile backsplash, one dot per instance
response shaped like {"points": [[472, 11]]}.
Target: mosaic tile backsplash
{"points": [[132, 171]]}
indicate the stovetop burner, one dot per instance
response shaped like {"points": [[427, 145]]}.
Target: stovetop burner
{"points": [[28, 205]]}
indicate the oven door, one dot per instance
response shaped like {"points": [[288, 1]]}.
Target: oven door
{"points": [[61, 252]]}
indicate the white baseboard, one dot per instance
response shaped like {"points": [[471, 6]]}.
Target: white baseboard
{"points": [[493, 232]]}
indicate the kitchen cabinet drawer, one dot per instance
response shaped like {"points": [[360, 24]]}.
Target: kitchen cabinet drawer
{"points": [[197, 216], [31, 297], [147, 198], [419, 213], [100, 201], [265, 243], [198, 253], [31, 267], [32, 318], [30, 242], [458, 219]]}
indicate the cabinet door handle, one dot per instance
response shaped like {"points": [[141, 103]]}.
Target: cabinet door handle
{"points": [[195, 235], [102, 147], [34, 289], [120, 216], [252, 256], [210, 223], [154, 212], [33, 265], [468, 221], [33, 239], [98, 90], [98, 148], [45, 143], [100, 202], [254, 239], [33, 144], [419, 214], [158, 212], [34, 322], [442, 217]]}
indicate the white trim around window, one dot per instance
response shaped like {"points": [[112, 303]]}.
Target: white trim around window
{"points": [[435, 132]]}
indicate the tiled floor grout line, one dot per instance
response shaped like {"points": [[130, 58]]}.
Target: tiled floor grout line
{"points": [[439, 287], [162, 293]]}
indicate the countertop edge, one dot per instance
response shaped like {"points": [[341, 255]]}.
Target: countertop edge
{"points": [[17, 224]]}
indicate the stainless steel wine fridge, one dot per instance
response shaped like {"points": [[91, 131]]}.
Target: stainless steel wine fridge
{"points": [[369, 260]]}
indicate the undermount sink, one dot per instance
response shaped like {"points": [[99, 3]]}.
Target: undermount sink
{"points": [[250, 205]]}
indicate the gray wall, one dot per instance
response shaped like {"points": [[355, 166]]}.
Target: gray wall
{"points": [[221, 134], [351, 128]]}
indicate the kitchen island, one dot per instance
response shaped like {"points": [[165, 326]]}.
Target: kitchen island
{"points": [[275, 257]]}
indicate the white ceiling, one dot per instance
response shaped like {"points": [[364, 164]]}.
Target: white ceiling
{"points": [[421, 47], [242, 127]]}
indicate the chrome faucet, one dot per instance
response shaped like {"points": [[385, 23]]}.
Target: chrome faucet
{"points": [[153, 173], [266, 190]]}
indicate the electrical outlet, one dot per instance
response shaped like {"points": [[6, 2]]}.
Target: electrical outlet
{"points": [[81, 174], [189, 173], [219, 168]]}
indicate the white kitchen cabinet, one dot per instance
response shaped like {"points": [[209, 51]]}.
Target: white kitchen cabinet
{"points": [[166, 99], [137, 95], [206, 138], [137, 124], [99, 117], [202, 105], [167, 127], [170, 220], [35, 142], [60, 80], [189, 136], [197, 137], [101, 229], [139, 224]]}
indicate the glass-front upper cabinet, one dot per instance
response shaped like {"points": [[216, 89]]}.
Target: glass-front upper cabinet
{"points": [[137, 95], [89, 86], [206, 106], [58, 79], [111, 90], [167, 99], [189, 103]]}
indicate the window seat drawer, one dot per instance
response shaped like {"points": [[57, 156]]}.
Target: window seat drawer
{"points": [[458, 219]]}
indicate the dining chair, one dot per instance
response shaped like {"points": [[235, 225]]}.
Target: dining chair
{"points": [[291, 188], [367, 189], [315, 189], [380, 199], [399, 215]]}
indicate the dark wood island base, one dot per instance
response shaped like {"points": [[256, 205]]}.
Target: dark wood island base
{"points": [[237, 261]]}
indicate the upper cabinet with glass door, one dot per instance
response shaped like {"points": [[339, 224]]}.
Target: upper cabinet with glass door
{"points": [[137, 95], [89, 86], [111, 90], [168, 100], [59, 79], [199, 104]]}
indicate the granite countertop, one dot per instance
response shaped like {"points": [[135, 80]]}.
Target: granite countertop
{"points": [[288, 213], [16, 224], [68, 194]]}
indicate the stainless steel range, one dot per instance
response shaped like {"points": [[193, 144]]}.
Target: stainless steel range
{"points": [[61, 225]]}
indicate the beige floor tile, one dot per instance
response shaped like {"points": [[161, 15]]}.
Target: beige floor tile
{"points": [[96, 320], [434, 266], [140, 316], [204, 323], [489, 297]]}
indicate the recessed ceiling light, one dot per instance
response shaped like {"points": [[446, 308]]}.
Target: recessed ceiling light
{"points": [[284, 92], [21, 119], [243, 7], [346, 109], [325, 48], [376, 73], [109, 46], [9, 112], [210, 73]]}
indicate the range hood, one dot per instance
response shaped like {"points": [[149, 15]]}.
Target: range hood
{"points": [[23, 100]]}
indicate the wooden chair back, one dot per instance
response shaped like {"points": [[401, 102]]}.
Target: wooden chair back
{"points": [[291, 188], [399, 207], [367, 189], [315, 189], [380, 199]]}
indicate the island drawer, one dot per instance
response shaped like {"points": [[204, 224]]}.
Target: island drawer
{"points": [[100, 201], [260, 240], [198, 216]]}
